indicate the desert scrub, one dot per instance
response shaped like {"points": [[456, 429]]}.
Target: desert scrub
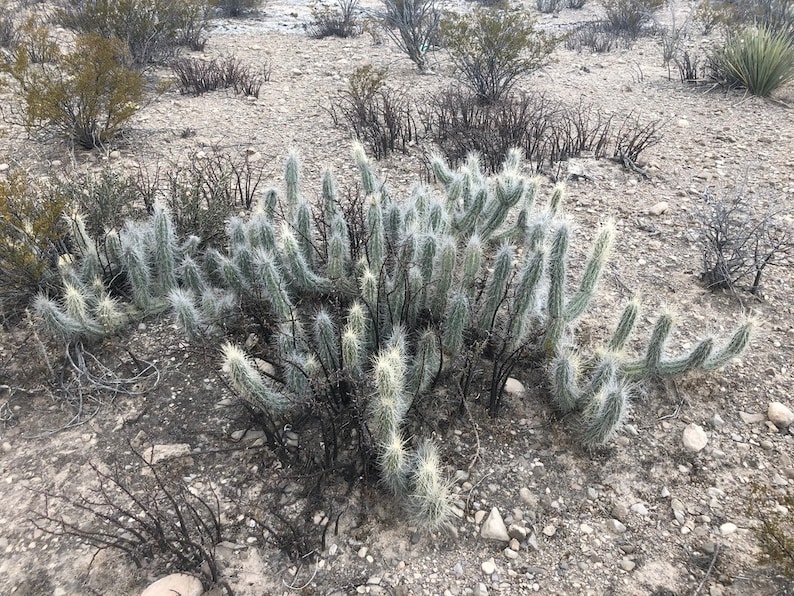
{"points": [[756, 58], [413, 26], [630, 17], [491, 47], [33, 233], [85, 96], [380, 316], [235, 8]]}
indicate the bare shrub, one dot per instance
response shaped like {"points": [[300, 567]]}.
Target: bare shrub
{"points": [[690, 68], [740, 241], [548, 6], [341, 22], [630, 17], [594, 36], [413, 25], [8, 31], [198, 76], [380, 117], [236, 8]]}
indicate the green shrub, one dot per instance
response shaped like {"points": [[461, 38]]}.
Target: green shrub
{"points": [[34, 40], [756, 58], [153, 30], [492, 47], [86, 96], [33, 232], [630, 17]]}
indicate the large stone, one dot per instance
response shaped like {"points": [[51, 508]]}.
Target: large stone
{"points": [[493, 528], [780, 415], [659, 208], [159, 453], [176, 584], [694, 438], [514, 387]]}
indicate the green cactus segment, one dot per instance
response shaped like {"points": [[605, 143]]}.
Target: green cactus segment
{"points": [[55, 320], [694, 360], [555, 326], [737, 345], [526, 292], [275, 294], [557, 199], [330, 196], [248, 381], [369, 182], [426, 363], [595, 264], [429, 500], [136, 264], [325, 335], [110, 315], [444, 272], [390, 403], [441, 170], [186, 313], [625, 326], [654, 353], [304, 231], [565, 394], [455, 323], [192, 277], [394, 461], [497, 287], [299, 271], [472, 262], [604, 373], [604, 415], [292, 181], [376, 239], [352, 351]]}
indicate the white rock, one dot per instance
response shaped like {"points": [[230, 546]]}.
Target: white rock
{"points": [[616, 526], [514, 387], [159, 453], [780, 415], [682, 123], [489, 566], [694, 438], [493, 528], [640, 509], [549, 530], [176, 583], [627, 564], [728, 528], [480, 590], [659, 208]]}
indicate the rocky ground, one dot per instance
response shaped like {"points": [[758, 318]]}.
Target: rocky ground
{"points": [[674, 504]]}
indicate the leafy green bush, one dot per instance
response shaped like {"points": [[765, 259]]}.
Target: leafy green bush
{"points": [[85, 96], [630, 17], [33, 232], [153, 30], [492, 47], [756, 58]]}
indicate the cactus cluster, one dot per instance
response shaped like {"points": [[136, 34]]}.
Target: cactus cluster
{"points": [[371, 303]]}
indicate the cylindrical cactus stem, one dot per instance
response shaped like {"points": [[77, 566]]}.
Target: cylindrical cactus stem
{"points": [[368, 283], [467, 223], [396, 290], [429, 502], [394, 462], [164, 248], [497, 287], [304, 230], [261, 233], [694, 360], [555, 305], [369, 182], [186, 313], [55, 320], [236, 231], [217, 304], [326, 342], [109, 314], [564, 375], [267, 205], [390, 404], [244, 261], [113, 248], [191, 276], [230, 275], [557, 198], [352, 351], [330, 196], [441, 170], [649, 366], [357, 320], [420, 199], [526, 291], [338, 253], [269, 277], [190, 246], [393, 222], [472, 261], [136, 264], [738, 343], [512, 162], [427, 256], [455, 190], [444, 274], [292, 169], [604, 372], [595, 264], [302, 275], [604, 415], [376, 234], [625, 326], [426, 364], [455, 323], [437, 219], [83, 243], [77, 306], [248, 382], [494, 214]]}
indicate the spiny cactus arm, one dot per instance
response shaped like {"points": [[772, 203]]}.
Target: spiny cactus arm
{"points": [[557, 265], [301, 274], [429, 501], [695, 359], [269, 277], [268, 204], [186, 313], [604, 372], [190, 246], [248, 382], [444, 274], [352, 351], [625, 326], [438, 218], [191, 276], [55, 320], [83, 241], [109, 314], [243, 259], [467, 222], [497, 287], [369, 182], [427, 363], [564, 374], [304, 231], [455, 190], [472, 261], [330, 196], [136, 264], [369, 285], [376, 234], [261, 233], [649, 366], [292, 169], [738, 343], [394, 462], [325, 341], [390, 403], [76, 300], [230, 275], [525, 294], [236, 232], [454, 326], [441, 170], [577, 304], [512, 162], [604, 415], [557, 198]]}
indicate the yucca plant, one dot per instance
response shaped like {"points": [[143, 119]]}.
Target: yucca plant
{"points": [[757, 59]]}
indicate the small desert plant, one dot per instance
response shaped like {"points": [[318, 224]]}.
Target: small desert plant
{"points": [[198, 76], [152, 30], [776, 531], [85, 96], [596, 37], [708, 15], [341, 22], [739, 242], [756, 58], [690, 68], [413, 25], [492, 48], [630, 17], [236, 8], [672, 38], [8, 30], [548, 6], [380, 117], [33, 38], [34, 236]]}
